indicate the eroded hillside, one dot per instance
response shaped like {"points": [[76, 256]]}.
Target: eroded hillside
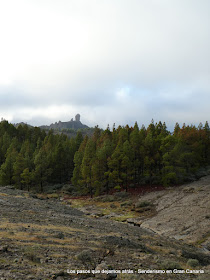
{"points": [[44, 238], [182, 212]]}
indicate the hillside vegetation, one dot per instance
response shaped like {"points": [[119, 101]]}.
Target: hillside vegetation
{"points": [[126, 157]]}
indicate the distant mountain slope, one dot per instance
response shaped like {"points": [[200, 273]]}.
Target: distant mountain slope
{"points": [[69, 128], [72, 124], [22, 123]]}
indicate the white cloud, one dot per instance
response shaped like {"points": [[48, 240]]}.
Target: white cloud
{"points": [[110, 60], [123, 94]]}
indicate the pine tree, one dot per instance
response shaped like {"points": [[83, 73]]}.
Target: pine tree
{"points": [[86, 167], [169, 175], [127, 159], [149, 159], [135, 144], [42, 170], [100, 165], [78, 157], [59, 163], [78, 140], [7, 168], [19, 166], [115, 166], [207, 144], [26, 177]]}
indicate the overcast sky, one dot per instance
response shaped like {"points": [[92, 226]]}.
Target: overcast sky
{"points": [[112, 61]]}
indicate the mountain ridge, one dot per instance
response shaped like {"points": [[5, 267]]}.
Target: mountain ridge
{"points": [[60, 125]]}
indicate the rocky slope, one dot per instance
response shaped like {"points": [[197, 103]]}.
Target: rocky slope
{"points": [[182, 212], [48, 239]]}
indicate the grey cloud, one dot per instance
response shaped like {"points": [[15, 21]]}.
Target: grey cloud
{"points": [[157, 49]]}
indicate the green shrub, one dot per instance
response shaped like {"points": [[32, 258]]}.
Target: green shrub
{"points": [[121, 195], [52, 188], [193, 263], [170, 265], [169, 178], [113, 206], [31, 254], [126, 203], [117, 188], [108, 198], [142, 204], [59, 235], [85, 256], [67, 188], [143, 209]]}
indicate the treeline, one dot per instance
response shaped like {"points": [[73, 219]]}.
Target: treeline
{"points": [[31, 157], [129, 157], [118, 159]]}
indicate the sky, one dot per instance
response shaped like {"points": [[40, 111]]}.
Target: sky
{"points": [[111, 61]]}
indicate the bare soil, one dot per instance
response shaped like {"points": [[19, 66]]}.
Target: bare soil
{"points": [[47, 238]]}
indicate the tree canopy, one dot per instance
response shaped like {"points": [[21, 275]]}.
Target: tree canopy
{"points": [[107, 160]]}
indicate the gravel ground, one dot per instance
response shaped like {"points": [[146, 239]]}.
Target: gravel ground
{"points": [[47, 239]]}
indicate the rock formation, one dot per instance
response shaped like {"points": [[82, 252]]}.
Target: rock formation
{"points": [[77, 118], [72, 124]]}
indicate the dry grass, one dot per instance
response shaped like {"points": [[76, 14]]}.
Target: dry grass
{"points": [[17, 234], [54, 246], [3, 260], [39, 228], [124, 218], [160, 249], [3, 194], [36, 235], [106, 208], [53, 195], [27, 195]]}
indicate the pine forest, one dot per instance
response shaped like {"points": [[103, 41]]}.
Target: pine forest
{"points": [[110, 160]]}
